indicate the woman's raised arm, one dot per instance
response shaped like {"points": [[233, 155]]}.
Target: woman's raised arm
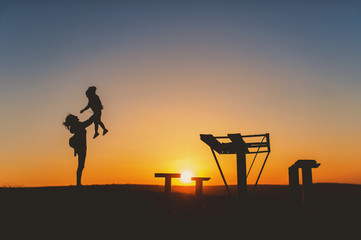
{"points": [[88, 122]]}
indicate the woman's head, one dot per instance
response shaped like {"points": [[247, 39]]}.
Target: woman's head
{"points": [[70, 120], [91, 91]]}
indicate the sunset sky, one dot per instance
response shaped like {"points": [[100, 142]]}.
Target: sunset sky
{"points": [[168, 71]]}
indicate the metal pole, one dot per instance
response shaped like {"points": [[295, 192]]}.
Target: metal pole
{"points": [[259, 175], [220, 170], [250, 168], [241, 176], [295, 189], [168, 184], [307, 186], [199, 189]]}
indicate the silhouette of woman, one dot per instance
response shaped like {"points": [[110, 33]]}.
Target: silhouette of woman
{"points": [[78, 141]]}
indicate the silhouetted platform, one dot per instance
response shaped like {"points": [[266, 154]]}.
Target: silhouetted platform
{"points": [[168, 180], [306, 163], [236, 145]]}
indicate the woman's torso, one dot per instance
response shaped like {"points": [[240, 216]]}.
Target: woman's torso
{"points": [[79, 137]]}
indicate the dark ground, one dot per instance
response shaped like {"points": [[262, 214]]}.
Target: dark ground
{"points": [[139, 211]]}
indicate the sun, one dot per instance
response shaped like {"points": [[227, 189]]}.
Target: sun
{"points": [[186, 177]]}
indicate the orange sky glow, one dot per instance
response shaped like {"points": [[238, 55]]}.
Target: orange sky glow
{"points": [[158, 131]]}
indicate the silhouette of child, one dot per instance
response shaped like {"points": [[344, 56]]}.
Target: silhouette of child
{"points": [[96, 106]]}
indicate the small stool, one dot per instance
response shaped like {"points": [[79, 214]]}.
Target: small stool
{"points": [[168, 179], [199, 186]]}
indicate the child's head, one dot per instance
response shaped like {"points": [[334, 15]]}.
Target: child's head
{"points": [[91, 91], [70, 120]]}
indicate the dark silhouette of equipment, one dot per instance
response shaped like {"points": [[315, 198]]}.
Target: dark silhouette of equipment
{"points": [[199, 187], [302, 197], [168, 180], [235, 144]]}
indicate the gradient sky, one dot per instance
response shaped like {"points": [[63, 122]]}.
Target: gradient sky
{"points": [[167, 71]]}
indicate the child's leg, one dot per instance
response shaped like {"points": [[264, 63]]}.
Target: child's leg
{"points": [[96, 130], [102, 125], [96, 124], [104, 129]]}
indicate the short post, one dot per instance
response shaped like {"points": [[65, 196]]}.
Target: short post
{"points": [[168, 180], [306, 196], [307, 186], [199, 186], [295, 188]]}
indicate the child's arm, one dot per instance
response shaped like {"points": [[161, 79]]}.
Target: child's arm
{"points": [[86, 108]]}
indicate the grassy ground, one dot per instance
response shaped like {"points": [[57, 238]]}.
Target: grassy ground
{"points": [[116, 211]]}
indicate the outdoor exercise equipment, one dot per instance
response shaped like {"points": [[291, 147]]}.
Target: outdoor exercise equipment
{"points": [[302, 196], [199, 186], [236, 144], [168, 180]]}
